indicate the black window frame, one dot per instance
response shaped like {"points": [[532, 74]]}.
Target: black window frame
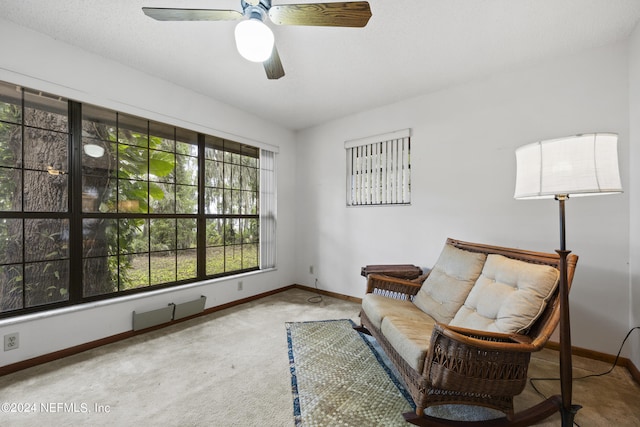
{"points": [[75, 214]]}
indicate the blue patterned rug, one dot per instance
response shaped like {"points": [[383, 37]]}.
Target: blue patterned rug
{"points": [[338, 377]]}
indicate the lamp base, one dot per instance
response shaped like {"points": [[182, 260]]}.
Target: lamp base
{"points": [[568, 415]]}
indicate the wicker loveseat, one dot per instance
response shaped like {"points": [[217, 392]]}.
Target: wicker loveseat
{"points": [[464, 332]]}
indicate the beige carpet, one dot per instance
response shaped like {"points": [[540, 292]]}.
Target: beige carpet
{"points": [[231, 369]]}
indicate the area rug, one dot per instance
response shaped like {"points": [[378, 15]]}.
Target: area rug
{"points": [[339, 379]]}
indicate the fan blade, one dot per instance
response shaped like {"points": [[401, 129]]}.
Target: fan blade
{"points": [[171, 14], [273, 66], [342, 14]]}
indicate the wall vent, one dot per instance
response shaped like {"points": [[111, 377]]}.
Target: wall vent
{"points": [[190, 308], [151, 318], [171, 312]]}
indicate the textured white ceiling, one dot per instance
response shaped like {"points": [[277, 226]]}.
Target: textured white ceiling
{"points": [[407, 49]]}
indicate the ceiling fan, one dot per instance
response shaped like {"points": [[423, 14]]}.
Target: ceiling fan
{"points": [[254, 38]]}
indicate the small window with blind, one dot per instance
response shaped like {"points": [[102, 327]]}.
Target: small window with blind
{"points": [[379, 170]]}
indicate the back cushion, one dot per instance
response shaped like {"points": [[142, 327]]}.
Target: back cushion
{"points": [[508, 296], [449, 283]]}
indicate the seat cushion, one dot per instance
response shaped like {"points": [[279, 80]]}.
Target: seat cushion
{"points": [[409, 334], [450, 281], [508, 296], [377, 307]]}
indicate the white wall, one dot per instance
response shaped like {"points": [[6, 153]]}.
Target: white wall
{"points": [[39, 62], [463, 171], [634, 190]]}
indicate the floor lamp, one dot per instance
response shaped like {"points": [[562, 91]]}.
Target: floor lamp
{"points": [[580, 165]]}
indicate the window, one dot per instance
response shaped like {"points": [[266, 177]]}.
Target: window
{"points": [[231, 206], [142, 205], [379, 170], [139, 202], [34, 198]]}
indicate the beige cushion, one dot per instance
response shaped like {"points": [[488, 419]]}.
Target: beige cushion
{"points": [[508, 297], [449, 283], [409, 334], [376, 307]]}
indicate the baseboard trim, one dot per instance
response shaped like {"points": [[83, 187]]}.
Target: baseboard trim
{"points": [[50, 357], [601, 357], [327, 293]]}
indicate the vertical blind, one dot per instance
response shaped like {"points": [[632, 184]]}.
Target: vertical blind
{"points": [[379, 170], [267, 209]]}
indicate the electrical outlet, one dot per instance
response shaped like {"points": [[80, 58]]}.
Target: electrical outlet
{"points": [[311, 269], [11, 341], [240, 285]]}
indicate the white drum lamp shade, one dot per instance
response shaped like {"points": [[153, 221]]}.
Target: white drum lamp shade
{"points": [[579, 165]]}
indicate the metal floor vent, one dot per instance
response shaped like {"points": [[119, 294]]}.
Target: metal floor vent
{"points": [[166, 314]]}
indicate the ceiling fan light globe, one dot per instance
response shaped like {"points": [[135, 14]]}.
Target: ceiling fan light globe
{"points": [[254, 40], [93, 150]]}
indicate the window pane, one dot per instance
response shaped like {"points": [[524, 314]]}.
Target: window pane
{"points": [[163, 267], [215, 232], [46, 150], [11, 287], [163, 234], [132, 235], [133, 162], [98, 157], [10, 189], [213, 201], [186, 199], [45, 192], [213, 153], [100, 275], [213, 174], [46, 282], [10, 103], [10, 144], [98, 194], [134, 271], [48, 239], [99, 123], [231, 202], [132, 196], [10, 241], [99, 237], [233, 257], [163, 198], [187, 233], [186, 142], [250, 232], [215, 260], [228, 176], [250, 258], [187, 264], [249, 178], [162, 166], [132, 130], [45, 111], [162, 137], [186, 170]]}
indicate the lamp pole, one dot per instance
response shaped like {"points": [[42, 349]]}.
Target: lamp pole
{"points": [[568, 411]]}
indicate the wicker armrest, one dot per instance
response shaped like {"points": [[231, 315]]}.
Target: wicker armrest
{"points": [[488, 340], [386, 285], [472, 361]]}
